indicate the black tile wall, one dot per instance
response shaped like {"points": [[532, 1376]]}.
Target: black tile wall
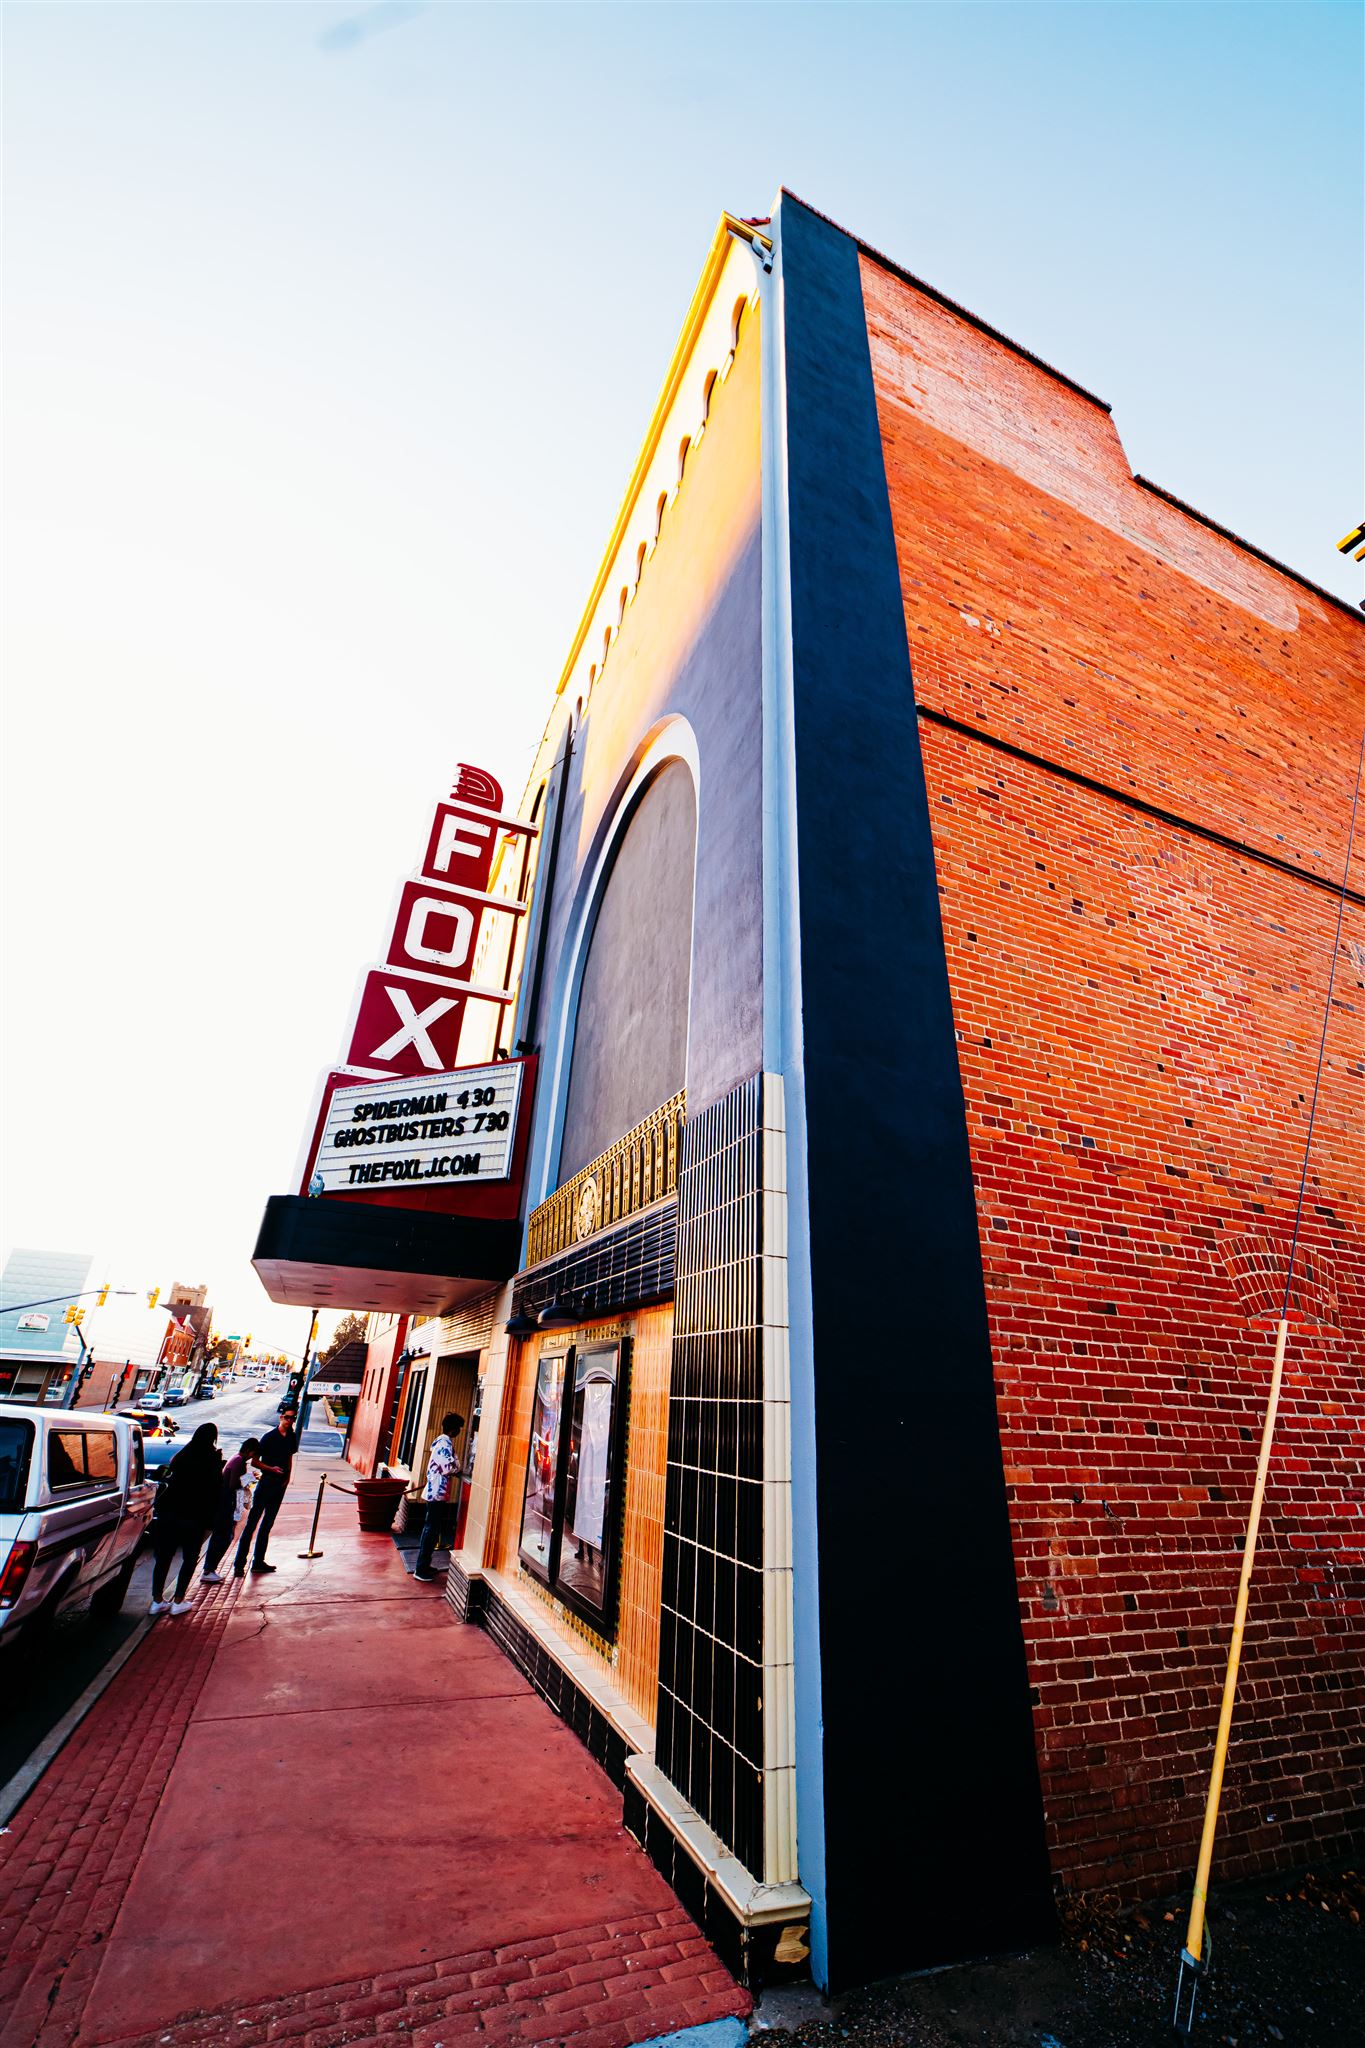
{"points": [[616, 1269], [465, 1595], [709, 1731]]}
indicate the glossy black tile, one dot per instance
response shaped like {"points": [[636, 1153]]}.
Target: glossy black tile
{"points": [[749, 1522], [748, 1843], [749, 1612], [748, 1735], [713, 1492]]}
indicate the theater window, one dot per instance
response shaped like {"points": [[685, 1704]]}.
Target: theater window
{"points": [[569, 1512]]}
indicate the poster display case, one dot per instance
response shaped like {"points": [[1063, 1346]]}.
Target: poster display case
{"points": [[573, 1471]]}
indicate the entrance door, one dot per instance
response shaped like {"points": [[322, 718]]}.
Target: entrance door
{"points": [[453, 1393]]}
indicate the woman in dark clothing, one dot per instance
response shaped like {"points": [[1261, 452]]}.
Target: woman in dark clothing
{"points": [[187, 1501]]}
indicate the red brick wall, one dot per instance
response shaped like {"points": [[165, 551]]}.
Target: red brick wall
{"points": [[1138, 1010], [377, 1390]]}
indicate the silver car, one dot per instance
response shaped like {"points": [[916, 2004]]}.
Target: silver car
{"points": [[74, 1502]]}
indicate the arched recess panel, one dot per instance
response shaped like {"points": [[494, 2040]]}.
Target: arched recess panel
{"points": [[630, 1035]]}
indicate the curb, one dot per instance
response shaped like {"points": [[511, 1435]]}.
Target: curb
{"points": [[711, 2034], [15, 1790]]}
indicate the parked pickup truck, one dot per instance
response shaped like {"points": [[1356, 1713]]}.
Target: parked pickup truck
{"points": [[74, 1502]]}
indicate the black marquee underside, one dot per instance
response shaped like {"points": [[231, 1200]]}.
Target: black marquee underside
{"points": [[359, 1255]]}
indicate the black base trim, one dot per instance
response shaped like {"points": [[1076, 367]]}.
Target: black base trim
{"points": [[749, 1953], [468, 1597]]}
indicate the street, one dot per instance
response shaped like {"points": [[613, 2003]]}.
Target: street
{"points": [[41, 1683]]}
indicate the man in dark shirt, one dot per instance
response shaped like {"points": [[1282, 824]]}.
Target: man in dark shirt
{"points": [[275, 1459]]}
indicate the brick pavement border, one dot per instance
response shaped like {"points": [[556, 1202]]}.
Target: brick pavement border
{"points": [[614, 1992], [72, 1846]]}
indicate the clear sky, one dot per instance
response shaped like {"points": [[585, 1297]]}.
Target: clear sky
{"points": [[331, 333]]}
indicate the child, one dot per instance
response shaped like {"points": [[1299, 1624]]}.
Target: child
{"points": [[232, 1501]]}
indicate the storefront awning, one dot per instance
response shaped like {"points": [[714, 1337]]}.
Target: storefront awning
{"points": [[346, 1254]]}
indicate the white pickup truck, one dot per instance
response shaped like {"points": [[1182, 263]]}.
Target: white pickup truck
{"points": [[74, 1502]]}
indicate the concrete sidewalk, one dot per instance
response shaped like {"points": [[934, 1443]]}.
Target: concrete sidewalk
{"points": [[320, 1811]]}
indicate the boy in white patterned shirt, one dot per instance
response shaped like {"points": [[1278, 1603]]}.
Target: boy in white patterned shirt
{"points": [[442, 1472]]}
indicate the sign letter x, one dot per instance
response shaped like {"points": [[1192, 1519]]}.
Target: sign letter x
{"points": [[413, 1028]]}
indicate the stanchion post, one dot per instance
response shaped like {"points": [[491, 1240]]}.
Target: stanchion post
{"points": [[312, 1550]]}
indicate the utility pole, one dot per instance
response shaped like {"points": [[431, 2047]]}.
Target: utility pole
{"points": [[303, 1375]]}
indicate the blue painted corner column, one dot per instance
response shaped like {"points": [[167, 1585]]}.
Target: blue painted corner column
{"points": [[934, 1845]]}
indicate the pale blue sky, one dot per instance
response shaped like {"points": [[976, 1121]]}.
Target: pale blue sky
{"points": [[330, 336]]}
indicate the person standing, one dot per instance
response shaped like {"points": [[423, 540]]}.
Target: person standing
{"points": [[275, 1461], [187, 1502], [442, 1473], [232, 1502]]}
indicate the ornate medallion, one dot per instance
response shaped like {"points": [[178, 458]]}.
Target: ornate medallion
{"points": [[585, 1216]]}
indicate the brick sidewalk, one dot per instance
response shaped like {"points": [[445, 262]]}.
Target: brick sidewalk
{"points": [[455, 1804], [72, 1846], [599, 1987]]}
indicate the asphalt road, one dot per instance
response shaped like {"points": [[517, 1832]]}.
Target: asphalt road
{"points": [[39, 1685]]}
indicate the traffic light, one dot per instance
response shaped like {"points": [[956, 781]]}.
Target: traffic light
{"points": [[246, 1341], [103, 1297], [153, 1296], [1353, 540], [73, 1314]]}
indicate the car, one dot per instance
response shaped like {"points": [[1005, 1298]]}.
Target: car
{"points": [[75, 1503], [150, 1421], [174, 1397], [160, 1437]]}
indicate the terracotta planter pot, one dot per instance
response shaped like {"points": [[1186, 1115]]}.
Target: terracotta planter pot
{"points": [[377, 1501]]}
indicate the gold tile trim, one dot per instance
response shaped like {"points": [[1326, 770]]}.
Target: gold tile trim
{"points": [[530, 1584], [640, 1168]]}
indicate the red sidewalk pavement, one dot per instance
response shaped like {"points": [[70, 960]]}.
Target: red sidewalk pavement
{"points": [[319, 1811]]}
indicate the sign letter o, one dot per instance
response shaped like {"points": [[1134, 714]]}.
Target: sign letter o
{"points": [[414, 939]]}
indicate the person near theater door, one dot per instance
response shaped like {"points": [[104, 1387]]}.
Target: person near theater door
{"points": [[275, 1461], [442, 1473]]}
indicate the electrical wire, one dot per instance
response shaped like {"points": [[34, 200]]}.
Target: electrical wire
{"points": [[1196, 1954], [1326, 1019]]}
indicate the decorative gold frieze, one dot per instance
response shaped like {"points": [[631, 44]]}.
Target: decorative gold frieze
{"points": [[638, 1169]]}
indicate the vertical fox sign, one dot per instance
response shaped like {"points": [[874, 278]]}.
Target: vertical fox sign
{"points": [[409, 1011]]}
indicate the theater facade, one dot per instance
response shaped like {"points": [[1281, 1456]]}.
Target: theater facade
{"points": [[897, 994]]}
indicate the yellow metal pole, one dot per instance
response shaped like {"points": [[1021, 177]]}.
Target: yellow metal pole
{"points": [[1192, 1961], [1194, 1936], [312, 1550]]}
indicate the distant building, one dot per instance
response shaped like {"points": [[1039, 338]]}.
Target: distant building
{"points": [[40, 1352]]}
